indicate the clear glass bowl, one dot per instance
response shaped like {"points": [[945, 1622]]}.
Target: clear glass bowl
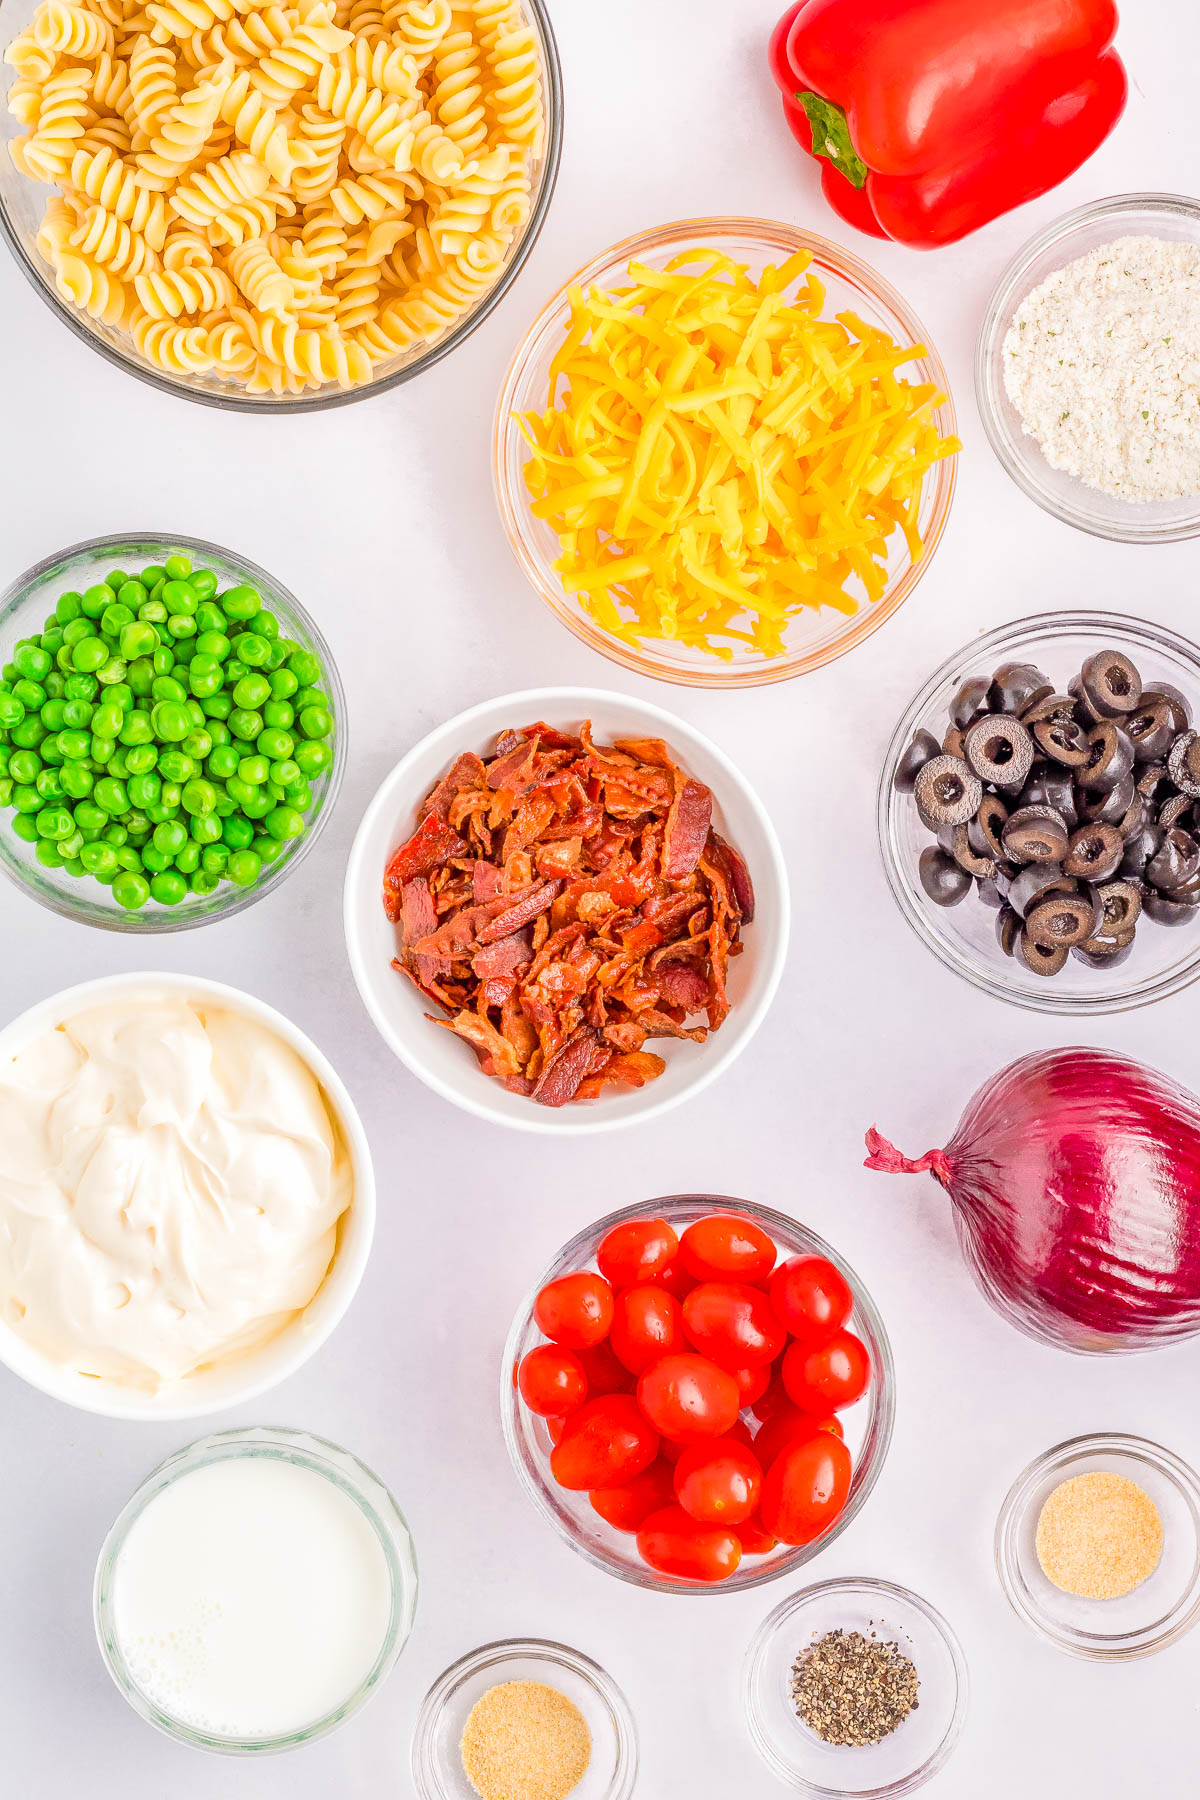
{"points": [[916, 1750], [815, 637], [333, 1464], [1125, 215], [1164, 958], [24, 609], [437, 1769], [868, 1424], [1162, 1609], [23, 201]]}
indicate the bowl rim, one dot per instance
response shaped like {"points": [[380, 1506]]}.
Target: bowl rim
{"points": [[168, 920], [426, 1776], [1115, 627], [1057, 1459], [513, 507], [107, 1398], [872, 1585], [539, 17], [540, 703], [787, 1232], [1007, 294]]}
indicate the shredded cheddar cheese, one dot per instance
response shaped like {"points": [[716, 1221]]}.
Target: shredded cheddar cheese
{"points": [[715, 456]]}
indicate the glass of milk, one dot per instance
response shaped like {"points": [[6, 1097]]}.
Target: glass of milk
{"points": [[255, 1591]]}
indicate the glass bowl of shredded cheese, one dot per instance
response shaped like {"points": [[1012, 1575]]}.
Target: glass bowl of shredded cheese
{"points": [[724, 452], [1088, 365]]}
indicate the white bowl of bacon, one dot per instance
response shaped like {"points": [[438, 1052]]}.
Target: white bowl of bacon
{"points": [[566, 910]]}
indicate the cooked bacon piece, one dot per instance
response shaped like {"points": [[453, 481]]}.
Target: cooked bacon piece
{"points": [[563, 901]]}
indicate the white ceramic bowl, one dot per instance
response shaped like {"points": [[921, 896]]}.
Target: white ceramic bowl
{"points": [[218, 1389], [449, 1066]]}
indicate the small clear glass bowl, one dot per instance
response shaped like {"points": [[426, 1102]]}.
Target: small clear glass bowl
{"points": [[437, 1768], [867, 1424], [24, 608], [917, 1749], [1164, 958], [1069, 499], [816, 636], [354, 1479], [1162, 1609], [22, 203]]}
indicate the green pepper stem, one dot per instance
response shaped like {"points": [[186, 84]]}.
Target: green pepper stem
{"points": [[831, 138]]}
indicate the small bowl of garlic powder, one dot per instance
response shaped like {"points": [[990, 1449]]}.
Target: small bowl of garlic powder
{"points": [[1087, 370]]}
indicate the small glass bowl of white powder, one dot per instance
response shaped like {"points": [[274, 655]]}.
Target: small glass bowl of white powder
{"points": [[1088, 368]]}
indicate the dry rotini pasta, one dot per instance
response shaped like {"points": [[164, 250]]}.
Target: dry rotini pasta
{"points": [[282, 197]]}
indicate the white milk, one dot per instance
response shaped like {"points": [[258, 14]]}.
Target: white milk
{"points": [[251, 1597]]}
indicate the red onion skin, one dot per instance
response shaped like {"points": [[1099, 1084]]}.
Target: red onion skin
{"points": [[1075, 1179]]}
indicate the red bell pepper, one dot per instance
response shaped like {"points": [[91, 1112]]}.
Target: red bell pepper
{"points": [[932, 117]]}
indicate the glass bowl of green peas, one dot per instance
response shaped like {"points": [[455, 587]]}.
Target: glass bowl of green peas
{"points": [[172, 732]]}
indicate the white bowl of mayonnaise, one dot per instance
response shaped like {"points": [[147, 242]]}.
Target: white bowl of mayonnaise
{"points": [[186, 1196]]}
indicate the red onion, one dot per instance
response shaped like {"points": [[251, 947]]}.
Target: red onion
{"points": [[1075, 1177]]}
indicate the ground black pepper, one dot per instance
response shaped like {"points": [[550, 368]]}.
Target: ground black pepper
{"points": [[852, 1689]]}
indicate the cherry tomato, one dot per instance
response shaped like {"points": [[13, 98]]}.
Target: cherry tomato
{"points": [[646, 1326], [833, 1375], [576, 1310], [556, 1427], [627, 1505], [754, 1537], [552, 1381], [727, 1247], [638, 1250], [688, 1398], [676, 1280], [673, 1544], [805, 1488], [810, 1297], [718, 1483], [752, 1383], [605, 1375], [732, 1324], [606, 1442], [773, 1396], [780, 1430]]}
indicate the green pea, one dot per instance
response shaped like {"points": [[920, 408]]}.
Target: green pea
{"points": [[283, 683], [49, 785], [199, 797], [172, 721], [138, 638], [305, 667], [218, 731], [69, 607], [52, 643], [55, 685], [24, 827], [205, 583], [284, 822], [90, 817], [245, 724], [144, 790], [226, 806], [278, 656], [32, 662], [81, 687], [267, 625], [214, 858], [299, 795], [244, 868], [55, 822], [115, 834], [237, 832], [106, 721], [141, 677], [203, 883], [114, 617], [278, 715], [111, 795], [74, 744], [130, 890], [26, 798], [12, 711], [76, 780], [116, 580], [168, 887], [180, 596], [278, 745], [253, 770], [90, 654], [29, 734], [152, 575], [253, 649], [24, 766], [135, 729], [259, 804], [99, 859], [197, 744], [152, 612], [75, 632], [48, 854], [209, 616], [163, 661], [117, 765], [270, 849], [95, 599], [6, 791], [170, 794], [154, 860], [223, 762], [205, 827], [219, 707], [239, 790], [170, 837], [71, 846], [285, 774], [31, 694], [79, 714], [73, 866], [165, 687], [214, 644], [141, 758], [177, 567], [174, 765], [241, 602], [187, 857], [101, 750], [128, 858], [316, 721], [236, 670]]}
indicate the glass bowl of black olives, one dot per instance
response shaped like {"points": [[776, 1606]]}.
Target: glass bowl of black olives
{"points": [[1039, 813]]}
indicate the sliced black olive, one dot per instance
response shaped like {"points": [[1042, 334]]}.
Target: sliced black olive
{"points": [[1187, 893], [989, 893], [1181, 709], [952, 743], [1110, 684], [1050, 785], [1120, 908], [984, 829], [970, 700], [1035, 834], [1041, 959], [1049, 706], [1060, 919], [947, 793], [942, 879], [1107, 806], [1172, 811], [1110, 757], [1030, 882], [1014, 686], [1183, 763], [1176, 860], [982, 867], [923, 749], [1008, 929], [1098, 955], [1063, 741], [1135, 818], [999, 749], [1083, 709], [1150, 777], [1094, 852], [1150, 728], [1169, 912], [1139, 850]]}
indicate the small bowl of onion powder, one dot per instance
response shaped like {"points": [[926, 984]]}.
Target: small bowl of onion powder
{"points": [[1098, 1546], [1087, 370]]}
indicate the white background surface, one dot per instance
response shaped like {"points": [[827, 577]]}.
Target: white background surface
{"points": [[380, 517]]}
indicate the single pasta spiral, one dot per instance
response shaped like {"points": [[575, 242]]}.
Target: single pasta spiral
{"points": [[103, 238], [168, 293], [68, 30], [224, 183], [260, 277]]}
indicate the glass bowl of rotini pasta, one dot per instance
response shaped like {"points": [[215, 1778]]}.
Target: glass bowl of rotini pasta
{"points": [[172, 733], [724, 453], [284, 207]]}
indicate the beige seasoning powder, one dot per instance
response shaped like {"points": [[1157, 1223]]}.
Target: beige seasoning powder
{"points": [[525, 1741], [1099, 1536]]}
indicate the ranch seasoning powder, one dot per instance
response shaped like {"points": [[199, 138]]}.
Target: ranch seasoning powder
{"points": [[1102, 361]]}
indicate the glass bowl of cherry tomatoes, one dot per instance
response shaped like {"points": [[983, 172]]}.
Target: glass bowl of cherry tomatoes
{"points": [[698, 1393]]}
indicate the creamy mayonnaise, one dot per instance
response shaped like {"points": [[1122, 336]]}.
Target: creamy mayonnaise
{"points": [[171, 1177]]}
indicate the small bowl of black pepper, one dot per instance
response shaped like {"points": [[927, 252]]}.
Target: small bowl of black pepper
{"points": [[855, 1687]]}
